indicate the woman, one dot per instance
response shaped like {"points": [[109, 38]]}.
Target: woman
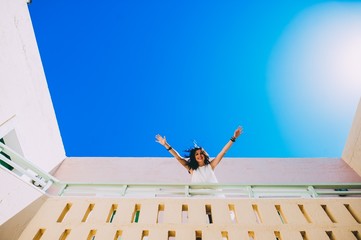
{"points": [[198, 163]]}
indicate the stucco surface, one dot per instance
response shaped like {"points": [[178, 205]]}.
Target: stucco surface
{"points": [[230, 170]]}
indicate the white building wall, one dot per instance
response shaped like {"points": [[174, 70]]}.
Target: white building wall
{"points": [[27, 119], [25, 102], [15, 196], [352, 151]]}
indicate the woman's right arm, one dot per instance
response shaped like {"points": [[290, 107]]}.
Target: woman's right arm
{"points": [[162, 141]]}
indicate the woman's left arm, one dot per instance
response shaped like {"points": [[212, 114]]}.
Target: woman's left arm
{"points": [[228, 145]]}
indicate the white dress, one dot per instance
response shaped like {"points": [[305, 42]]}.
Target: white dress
{"points": [[204, 174]]}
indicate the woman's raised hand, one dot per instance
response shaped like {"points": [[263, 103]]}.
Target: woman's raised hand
{"points": [[238, 132], [161, 140]]}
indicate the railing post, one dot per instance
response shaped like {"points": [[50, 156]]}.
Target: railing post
{"points": [[250, 192], [186, 191], [62, 189], [47, 186], [124, 190], [312, 191]]}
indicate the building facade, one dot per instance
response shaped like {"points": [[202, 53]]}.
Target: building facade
{"points": [[47, 195]]}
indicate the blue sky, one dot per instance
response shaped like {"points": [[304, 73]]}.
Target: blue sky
{"points": [[119, 72]]}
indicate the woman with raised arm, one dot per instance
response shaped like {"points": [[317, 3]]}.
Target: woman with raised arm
{"points": [[197, 161]]}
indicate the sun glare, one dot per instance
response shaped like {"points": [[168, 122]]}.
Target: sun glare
{"points": [[315, 75]]}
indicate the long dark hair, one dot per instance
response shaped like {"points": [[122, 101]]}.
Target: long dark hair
{"points": [[191, 155]]}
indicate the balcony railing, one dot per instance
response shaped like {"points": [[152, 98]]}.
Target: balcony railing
{"points": [[47, 183]]}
